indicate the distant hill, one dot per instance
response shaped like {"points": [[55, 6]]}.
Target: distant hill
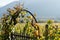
{"points": [[3, 9]]}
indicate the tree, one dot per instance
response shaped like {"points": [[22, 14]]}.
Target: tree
{"points": [[12, 19], [50, 21]]}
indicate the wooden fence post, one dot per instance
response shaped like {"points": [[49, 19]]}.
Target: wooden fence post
{"points": [[46, 32], [12, 36]]}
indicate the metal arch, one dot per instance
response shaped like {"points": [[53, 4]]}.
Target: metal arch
{"points": [[30, 14], [16, 14]]}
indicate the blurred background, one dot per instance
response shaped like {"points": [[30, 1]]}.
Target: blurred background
{"points": [[45, 9]]}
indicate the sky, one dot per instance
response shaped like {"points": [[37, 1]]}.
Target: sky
{"points": [[43, 8]]}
